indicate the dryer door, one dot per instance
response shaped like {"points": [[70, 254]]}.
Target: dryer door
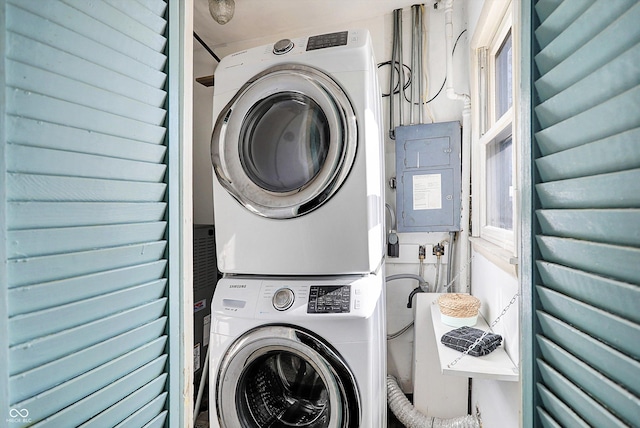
{"points": [[281, 376], [286, 141]]}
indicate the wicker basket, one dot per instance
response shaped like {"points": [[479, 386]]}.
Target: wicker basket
{"points": [[458, 310]]}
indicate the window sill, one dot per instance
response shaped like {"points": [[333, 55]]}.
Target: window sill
{"points": [[501, 257]]}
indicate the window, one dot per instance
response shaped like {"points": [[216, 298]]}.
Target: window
{"points": [[504, 77], [499, 188], [494, 145]]}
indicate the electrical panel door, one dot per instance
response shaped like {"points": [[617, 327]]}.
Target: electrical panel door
{"points": [[428, 175]]}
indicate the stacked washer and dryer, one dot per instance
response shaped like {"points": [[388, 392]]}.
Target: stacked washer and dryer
{"points": [[298, 320]]}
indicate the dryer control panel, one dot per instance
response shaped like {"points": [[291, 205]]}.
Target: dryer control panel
{"points": [[327, 40]]}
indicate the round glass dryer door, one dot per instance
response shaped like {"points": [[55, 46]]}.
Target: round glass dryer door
{"points": [[286, 141], [278, 377]]}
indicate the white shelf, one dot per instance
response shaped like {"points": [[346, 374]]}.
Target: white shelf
{"points": [[497, 365]]}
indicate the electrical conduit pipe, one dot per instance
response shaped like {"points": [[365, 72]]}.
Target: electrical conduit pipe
{"points": [[463, 282]]}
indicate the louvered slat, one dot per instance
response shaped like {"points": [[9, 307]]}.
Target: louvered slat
{"points": [[23, 187], [124, 22], [59, 266], [87, 407], [587, 213], [606, 226], [615, 115], [612, 261], [36, 133], [546, 420], [41, 107], [148, 414], [32, 354], [94, 26], [618, 37], [29, 78], [50, 294], [80, 387], [35, 324], [563, 15], [157, 422], [593, 352], [158, 7], [599, 191], [595, 19], [613, 296], [559, 410], [141, 14], [544, 8], [38, 54], [621, 403], [599, 324], [32, 382], [146, 402], [28, 160], [623, 73], [27, 215], [613, 153], [35, 243], [20, 21]]}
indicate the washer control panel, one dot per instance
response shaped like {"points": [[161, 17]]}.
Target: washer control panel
{"points": [[329, 299]]}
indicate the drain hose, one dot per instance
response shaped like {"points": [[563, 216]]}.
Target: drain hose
{"points": [[410, 417]]}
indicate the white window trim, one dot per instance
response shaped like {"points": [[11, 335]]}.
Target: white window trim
{"points": [[496, 19]]}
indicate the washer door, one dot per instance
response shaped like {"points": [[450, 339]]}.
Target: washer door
{"points": [[281, 376], [286, 141]]}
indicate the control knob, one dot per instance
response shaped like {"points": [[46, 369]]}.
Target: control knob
{"points": [[282, 46], [283, 299]]}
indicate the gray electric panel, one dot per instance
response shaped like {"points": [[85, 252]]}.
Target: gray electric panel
{"points": [[428, 170]]}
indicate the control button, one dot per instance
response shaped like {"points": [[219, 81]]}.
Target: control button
{"points": [[283, 299], [356, 304], [282, 46]]}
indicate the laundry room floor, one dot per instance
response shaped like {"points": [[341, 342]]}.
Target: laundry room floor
{"points": [[392, 422]]}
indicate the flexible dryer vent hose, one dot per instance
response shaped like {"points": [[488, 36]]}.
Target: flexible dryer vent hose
{"points": [[410, 417]]}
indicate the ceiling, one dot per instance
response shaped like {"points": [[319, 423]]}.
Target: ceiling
{"points": [[256, 19]]}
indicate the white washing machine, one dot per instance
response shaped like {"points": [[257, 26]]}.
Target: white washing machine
{"points": [[297, 151], [305, 352]]}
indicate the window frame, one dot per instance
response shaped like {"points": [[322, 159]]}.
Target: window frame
{"points": [[495, 24]]}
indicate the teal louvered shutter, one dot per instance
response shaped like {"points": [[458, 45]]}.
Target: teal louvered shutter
{"points": [[86, 321], [586, 226]]}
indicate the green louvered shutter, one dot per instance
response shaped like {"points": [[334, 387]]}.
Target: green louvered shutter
{"points": [[586, 146], [85, 213]]}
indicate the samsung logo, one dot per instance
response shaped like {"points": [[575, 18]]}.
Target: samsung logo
{"points": [[238, 286]]}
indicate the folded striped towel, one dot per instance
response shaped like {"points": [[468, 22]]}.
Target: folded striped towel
{"points": [[462, 338]]}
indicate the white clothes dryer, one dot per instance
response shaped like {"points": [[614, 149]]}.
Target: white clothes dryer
{"points": [[306, 352], [297, 151]]}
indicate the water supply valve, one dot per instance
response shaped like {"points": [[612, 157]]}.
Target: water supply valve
{"points": [[422, 252], [393, 244], [438, 250]]}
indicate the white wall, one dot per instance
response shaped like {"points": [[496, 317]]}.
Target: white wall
{"points": [[203, 65], [400, 350]]}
